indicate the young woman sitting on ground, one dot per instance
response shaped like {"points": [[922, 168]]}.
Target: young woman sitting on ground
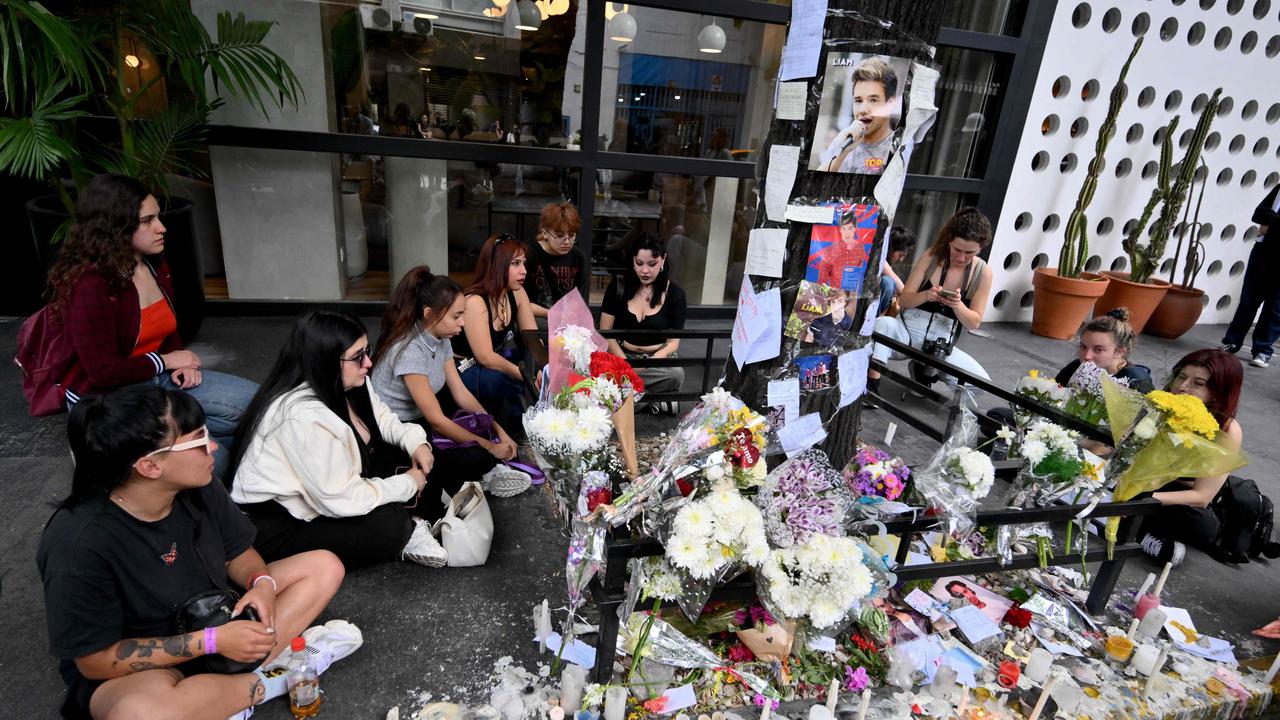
{"points": [[322, 463], [647, 299], [490, 346], [945, 294], [113, 292], [415, 374], [1215, 377], [146, 529]]}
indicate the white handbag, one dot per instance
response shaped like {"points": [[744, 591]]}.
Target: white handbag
{"points": [[466, 530]]}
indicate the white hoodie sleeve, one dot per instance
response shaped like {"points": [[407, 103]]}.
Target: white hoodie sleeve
{"points": [[408, 436]]}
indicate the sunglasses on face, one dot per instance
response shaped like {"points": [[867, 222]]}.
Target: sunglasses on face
{"points": [[359, 357], [202, 441]]}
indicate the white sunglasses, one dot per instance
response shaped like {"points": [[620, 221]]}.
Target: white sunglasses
{"points": [[202, 441]]}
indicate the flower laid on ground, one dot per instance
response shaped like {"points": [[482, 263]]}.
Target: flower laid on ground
{"points": [[855, 680], [822, 579], [802, 496], [875, 473], [714, 531], [753, 616], [565, 432]]}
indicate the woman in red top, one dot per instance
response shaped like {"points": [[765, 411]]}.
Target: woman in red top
{"points": [[112, 290]]}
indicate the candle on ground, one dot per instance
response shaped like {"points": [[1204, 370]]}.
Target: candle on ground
{"points": [[1271, 673], [1044, 698], [866, 703]]}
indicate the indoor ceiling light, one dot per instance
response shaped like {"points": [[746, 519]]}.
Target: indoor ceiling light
{"points": [[132, 61], [622, 28], [711, 39], [558, 7], [528, 16], [427, 14], [609, 11]]}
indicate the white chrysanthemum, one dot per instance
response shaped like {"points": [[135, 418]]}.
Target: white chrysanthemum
{"points": [[823, 579], [694, 520], [975, 470], [685, 552], [578, 343], [1034, 450]]}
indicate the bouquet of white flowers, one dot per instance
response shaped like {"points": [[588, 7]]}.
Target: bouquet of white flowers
{"points": [[821, 580], [957, 477], [1041, 388], [714, 532]]}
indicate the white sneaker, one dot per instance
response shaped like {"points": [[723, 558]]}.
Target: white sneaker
{"points": [[505, 482], [331, 642], [1260, 361], [423, 548]]}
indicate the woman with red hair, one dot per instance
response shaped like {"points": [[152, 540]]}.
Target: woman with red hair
{"points": [[1215, 377], [490, 347], [557, 265]]}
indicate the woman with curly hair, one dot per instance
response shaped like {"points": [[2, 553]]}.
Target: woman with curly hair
{"points": [[112, 291]]}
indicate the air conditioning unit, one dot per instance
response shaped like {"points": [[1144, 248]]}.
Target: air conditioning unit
{"points": [[417, 23], [374, 17]]}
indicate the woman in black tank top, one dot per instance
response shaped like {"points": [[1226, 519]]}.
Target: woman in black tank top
{"points": [[490, 347]]}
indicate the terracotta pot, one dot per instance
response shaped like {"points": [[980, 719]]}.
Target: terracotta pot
{"points": [[771, 643], [1061, 304], [1140, 298], [1177, 313]]}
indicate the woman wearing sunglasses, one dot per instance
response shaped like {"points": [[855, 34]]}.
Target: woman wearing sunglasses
{"points": [[322, 462], [144, 531], [490, 347], [557, 264]]}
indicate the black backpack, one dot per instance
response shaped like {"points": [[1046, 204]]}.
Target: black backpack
{"points": [[1247, 520]]}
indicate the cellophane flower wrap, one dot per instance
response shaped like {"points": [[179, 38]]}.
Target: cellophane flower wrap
{"points": [[1160, 437], [721, 431], [1087, 401], [821, 581], [801, 497], [1041, 388], [714, 532], [1054, 462], [957, 477]]}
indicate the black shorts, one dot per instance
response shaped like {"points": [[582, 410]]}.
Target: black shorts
{"points": [[76, 704]]}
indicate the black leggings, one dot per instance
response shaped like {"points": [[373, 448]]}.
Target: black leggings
{"points": [[1195, 526], [377, 537]]}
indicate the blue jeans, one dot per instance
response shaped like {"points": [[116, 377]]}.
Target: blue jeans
{"points": [[1260, 287], [224, 399], [500, 394], [888, 291]]}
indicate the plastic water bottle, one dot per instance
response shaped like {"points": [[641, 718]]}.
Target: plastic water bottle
{"points": [[304, 683]]}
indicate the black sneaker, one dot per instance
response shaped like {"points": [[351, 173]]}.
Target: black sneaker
{"points": [[1229, 348], [1165, 551]]}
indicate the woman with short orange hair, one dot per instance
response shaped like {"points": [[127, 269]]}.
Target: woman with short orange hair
{"points": [[557, 264]]}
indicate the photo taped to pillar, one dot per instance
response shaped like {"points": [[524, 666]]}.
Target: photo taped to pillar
{"points": [[860, 112]]}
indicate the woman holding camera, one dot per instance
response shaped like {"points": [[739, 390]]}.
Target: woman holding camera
{"points": [[945, 294], [143, 535]]}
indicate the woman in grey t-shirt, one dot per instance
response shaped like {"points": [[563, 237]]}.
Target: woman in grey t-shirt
{"points": [[415, 374]]}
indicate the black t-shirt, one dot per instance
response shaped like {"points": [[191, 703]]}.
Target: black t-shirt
{"points": [[669, 317], [109, 576], [551, 277]]}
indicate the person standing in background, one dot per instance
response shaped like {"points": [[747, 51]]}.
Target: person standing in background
{"points": [[1261, 287]]}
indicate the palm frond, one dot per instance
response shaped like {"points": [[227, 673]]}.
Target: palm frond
{"points": [[162, 144], [32, 146], [37, 48]]}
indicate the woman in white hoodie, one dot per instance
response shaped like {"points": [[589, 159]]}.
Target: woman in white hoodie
{"points": [[322, 463]]}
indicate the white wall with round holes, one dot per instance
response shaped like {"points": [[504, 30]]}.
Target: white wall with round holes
{"points": [[1191, 47]]}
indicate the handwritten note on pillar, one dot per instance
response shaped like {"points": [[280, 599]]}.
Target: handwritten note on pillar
{"points": [[852, 368], [784, 161], [802, 434], [786, 395], [765, 250], [804, 39], [791, 100]]}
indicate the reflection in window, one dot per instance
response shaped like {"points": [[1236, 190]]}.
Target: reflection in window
{"points": [[925, 212], [997, 17], [970, 93], [664, 95], [475, 77]]}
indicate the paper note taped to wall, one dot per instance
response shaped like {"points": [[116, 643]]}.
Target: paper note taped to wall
{"points": [[804, 39], [784, 162], [812, 214], [791, 100], [802, 434], [766, 248]]}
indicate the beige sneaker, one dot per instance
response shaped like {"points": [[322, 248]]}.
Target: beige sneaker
{"points": [[505, 482], [423, 548]]}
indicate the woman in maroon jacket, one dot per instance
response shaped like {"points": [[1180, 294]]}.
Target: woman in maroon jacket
{"points": [[112, 290]]}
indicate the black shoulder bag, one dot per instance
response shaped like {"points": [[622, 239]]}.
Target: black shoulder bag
{"points": [[212, 608]]}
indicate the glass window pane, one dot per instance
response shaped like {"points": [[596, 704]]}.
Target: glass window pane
{"points": [[924, 212], [664, 93], [475, 76], [969, 98], [997, 17]]}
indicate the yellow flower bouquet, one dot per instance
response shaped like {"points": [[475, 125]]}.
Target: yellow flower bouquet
{"points": [[1160, 437]]}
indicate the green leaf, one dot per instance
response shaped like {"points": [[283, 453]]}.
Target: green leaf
{"points": [[32, 146]]}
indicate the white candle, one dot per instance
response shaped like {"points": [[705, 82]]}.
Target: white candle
{"points": [[615, 703], [572, 682], [1038, 666], [1151, 624], [1155, 671], [768, 708], [1144, 659], [832, 693], [964, 703], [1146, 585], [1271, 673], [1164, 575], [1133, 628], [866, 703], [1044, 698]]}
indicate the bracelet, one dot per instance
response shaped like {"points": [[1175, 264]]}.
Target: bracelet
{"points": [[253, 582], [211, 641]]}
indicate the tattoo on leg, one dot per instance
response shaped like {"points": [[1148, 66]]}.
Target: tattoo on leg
{"points": [[257, 692]]}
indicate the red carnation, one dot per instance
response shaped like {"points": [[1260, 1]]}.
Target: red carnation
{"points": [[684, 486], [618, 370], [598, 497], [1018, 617]]}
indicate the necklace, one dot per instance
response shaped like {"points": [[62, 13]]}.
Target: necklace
{"points": [[124, 506]]}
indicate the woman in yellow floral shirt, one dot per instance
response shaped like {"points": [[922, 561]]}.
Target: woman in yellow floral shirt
{"points": [[1214, 377]]}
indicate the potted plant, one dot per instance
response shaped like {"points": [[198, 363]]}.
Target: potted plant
{"points": [[1136, 289], [1180, 309], [147, 65], [1064, 294]]}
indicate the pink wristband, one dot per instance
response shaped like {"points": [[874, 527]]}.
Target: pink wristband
{"points": [[211, 641]]}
